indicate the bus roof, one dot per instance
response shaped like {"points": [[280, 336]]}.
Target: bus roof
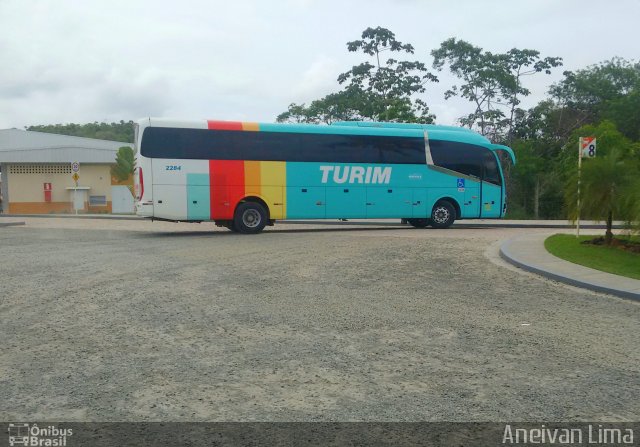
{"points": [[387, 125]]}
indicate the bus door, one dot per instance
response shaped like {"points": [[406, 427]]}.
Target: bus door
{"points": [[471, 204], [491, 205], [389, 201], [198, 197]]}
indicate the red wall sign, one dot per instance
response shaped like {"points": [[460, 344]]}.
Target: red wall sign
{"points": [[47, 192]]}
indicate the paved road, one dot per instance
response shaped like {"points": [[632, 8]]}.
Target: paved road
{"points": [[120, 321]]}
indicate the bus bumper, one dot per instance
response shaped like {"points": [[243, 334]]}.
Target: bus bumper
{"points": [[144, 209]]}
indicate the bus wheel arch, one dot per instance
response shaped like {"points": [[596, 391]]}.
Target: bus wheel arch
{"points": [[256, 199], [444, 212], [251, 215]]}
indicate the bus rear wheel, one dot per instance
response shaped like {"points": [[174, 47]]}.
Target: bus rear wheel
{"points": [[250, 218], [418, 223], [443, 215]]}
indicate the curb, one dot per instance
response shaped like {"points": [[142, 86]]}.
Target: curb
{"points": [[10, 224], [73, 216], [507, 253]]}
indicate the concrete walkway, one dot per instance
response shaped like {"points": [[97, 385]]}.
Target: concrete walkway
{"points": [[528, 252]]}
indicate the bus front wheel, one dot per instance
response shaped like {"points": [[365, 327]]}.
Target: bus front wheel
{"points": [[418, 223], [250, 218], [443, 215]]}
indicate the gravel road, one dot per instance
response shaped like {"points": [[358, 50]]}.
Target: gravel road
{"points": [[139, 321]]}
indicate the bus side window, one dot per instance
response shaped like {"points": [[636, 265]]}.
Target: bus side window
{"points": [[459, 157]]}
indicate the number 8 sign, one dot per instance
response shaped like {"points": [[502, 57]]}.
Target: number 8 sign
{"points": [[588, 146]]}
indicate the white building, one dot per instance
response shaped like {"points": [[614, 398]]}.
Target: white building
{"points": [[37, 175]]}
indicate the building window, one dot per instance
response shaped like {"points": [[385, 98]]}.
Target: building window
{"points": [[40, 169], [97, 200]]}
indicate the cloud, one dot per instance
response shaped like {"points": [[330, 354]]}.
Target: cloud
{"points": [[319, 79], [73, 60]]}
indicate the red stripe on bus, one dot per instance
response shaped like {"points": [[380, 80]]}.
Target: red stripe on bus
{"points": [[224, 125], [226, 180]]}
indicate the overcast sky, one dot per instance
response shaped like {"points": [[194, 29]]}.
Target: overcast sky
{"points": [[83, 61]]}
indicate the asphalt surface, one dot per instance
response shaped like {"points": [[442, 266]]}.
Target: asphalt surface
{"points": [[140, 321]]}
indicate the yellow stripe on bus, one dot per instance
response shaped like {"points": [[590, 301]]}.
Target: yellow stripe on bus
{"points": [[273, 176]]}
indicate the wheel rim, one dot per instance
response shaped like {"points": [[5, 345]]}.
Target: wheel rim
{"points": [[251, 218], [441, 215]]}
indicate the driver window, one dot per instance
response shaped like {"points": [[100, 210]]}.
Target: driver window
{"points": [[491, 172]]}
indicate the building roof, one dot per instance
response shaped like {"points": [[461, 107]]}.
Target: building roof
{"points": [[24, 146]]}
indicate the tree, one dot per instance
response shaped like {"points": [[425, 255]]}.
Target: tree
{"points": [[492, 82], [480, 72], [389, 88], [608, 90], [125, 163], [521, 63], [380, 91], [122, 131], [535, 185], [609, 183], [341, 106]]}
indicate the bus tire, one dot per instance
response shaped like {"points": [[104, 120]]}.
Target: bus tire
{"points": [[443, 214], [250, 218], [418, 223]]}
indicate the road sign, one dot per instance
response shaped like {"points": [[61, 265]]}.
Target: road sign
{"points": [[75, 166], [75, 176], [588, 147]]}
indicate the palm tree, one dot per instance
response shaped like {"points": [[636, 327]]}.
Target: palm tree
{"points": [[609, 189]]}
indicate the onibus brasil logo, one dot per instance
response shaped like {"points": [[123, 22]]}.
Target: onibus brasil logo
{"points": [[32, 435]]}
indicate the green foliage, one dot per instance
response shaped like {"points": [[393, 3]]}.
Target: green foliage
{"points": [[603, 101], [388, 87], [534, 183], [122, 131], [379, 91], [625, 112], [609, 90], [606, 259], [125, 163], [609, 183], [491, 82], [341, 106], [608, 138]]}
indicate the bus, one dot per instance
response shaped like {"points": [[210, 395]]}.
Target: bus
{"points": [[245, 175]]}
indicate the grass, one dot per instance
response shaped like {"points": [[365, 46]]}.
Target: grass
{"points": [[607, 259]]}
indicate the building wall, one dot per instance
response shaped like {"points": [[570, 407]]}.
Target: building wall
{"points": [[3, 188], [25, 184]]}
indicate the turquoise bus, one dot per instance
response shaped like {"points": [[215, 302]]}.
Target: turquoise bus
{"points": [[245, 175]]}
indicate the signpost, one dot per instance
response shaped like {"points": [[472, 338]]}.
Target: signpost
{"points": [[587, 149], [75, 167]]}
